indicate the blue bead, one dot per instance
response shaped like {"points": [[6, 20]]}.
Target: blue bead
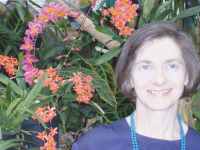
{"points": [[134, 143]]}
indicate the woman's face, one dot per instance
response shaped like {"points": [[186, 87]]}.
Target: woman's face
{"points": [[159, 74]]}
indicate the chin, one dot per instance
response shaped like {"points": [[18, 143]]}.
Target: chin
{"points": [[159, 105]]}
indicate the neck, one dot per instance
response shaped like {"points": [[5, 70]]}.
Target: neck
{"points": [[162, 124]]}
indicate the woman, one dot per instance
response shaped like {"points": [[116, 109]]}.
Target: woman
{"points": [[158, 65]]}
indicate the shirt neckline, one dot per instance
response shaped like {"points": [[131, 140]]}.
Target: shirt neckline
{"points": [[146, 138]]}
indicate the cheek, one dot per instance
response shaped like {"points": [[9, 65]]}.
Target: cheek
{"points": [[141, 84], [178, 78], [142, 79]]}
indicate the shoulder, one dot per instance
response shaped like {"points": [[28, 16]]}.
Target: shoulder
{"points": [[193, 138], [193, 134], [101, 136]]}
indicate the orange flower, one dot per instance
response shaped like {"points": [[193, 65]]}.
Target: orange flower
{"points": [[53, 80], [41, 135], [50, 144], [105, 12], [82, 87], [53, 131], [126, 31], [9, 64], [123, 12], [46, 114], [48, 139], [119, 24], [114, 12]]}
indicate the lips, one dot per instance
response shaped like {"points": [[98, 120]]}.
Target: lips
{"points": [[159, 92]]}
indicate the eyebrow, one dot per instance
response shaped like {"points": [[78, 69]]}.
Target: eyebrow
{"points": [[143, 61], [177, 60], [168, 61]]}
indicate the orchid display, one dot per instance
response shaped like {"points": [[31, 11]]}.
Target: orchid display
{"points": [[57, 66]]}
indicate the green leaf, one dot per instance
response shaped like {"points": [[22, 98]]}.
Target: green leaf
{"points": [[162, 11], [5, 80], [21, 11], [107, 30], [110, 76], [104, 91], [187, 13], [51, 45], [20, 80], [52, 51], [108, 56], [29, 100], [98, 107], [35, 91], [12, 106], [5, 144], [196, 104], [148, 6]]}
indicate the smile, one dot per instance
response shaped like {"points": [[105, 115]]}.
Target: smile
{"points": [[159, 92]]}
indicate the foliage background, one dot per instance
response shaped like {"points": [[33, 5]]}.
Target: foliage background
{"points": [[18, 101]]}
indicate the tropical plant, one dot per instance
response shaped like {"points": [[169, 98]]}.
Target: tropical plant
{"points": [[70, 52]]}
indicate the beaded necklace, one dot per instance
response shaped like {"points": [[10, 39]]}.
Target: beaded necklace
{"points": [[135, 145]]}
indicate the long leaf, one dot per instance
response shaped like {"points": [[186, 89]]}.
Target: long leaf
{"points": [[187, 13], [98, 107], [104, 91], [5, 80], [162, 11], [108, 56], [26, 104], [6, 144], [12, 106], [196, 104], [21, 11], [148, 6], [34, 91]]}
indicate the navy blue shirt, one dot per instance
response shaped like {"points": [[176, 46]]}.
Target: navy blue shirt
{"points": [[116, 136]]}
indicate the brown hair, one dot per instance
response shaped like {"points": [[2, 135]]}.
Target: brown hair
{"points": [[150, 32]]}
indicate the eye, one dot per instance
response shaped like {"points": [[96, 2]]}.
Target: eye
{"points": [[173, 66], [145, 67]]}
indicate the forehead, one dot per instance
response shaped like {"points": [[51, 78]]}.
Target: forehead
{"points": [[159, 50]]}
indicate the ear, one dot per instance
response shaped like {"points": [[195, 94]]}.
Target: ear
{"points": [[131, 83], [186, 79]]}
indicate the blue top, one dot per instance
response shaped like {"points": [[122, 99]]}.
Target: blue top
{"points": [[116, 136]]}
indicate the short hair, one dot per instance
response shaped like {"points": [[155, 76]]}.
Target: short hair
{"points": [[150, 32]]}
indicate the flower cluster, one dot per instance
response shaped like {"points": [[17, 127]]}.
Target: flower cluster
{"points": [[82, 86], [53, 80], [48, 139], [46, 114], [50, 13], [9, 64], [122, 13]]}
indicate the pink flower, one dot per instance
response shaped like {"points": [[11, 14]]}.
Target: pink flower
{"points": [[29, 58], [30, 75], [34, 28], [50, 12], [53, 11], [27, 45]]}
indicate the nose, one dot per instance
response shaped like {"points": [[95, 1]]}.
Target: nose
{"points": [[160, 78]]}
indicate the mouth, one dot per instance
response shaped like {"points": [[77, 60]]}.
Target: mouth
{"points": [[161, 92]]}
